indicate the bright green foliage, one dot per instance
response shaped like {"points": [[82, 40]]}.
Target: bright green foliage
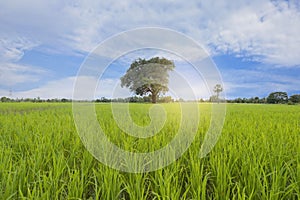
{"points": [[256, 157]]}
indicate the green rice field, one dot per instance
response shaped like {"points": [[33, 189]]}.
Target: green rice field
{"points": [[256, 157]]}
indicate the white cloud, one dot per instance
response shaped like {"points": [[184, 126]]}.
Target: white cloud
{"points": [[12, 48], [250, 83], [12, 74], [187, 84], [64, 88], [268, 30], [261, 29]]}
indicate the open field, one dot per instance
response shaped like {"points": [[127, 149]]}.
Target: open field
{"points": [[256, 157]]}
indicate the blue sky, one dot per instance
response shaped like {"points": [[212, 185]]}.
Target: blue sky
{"points": [[255, 44]]}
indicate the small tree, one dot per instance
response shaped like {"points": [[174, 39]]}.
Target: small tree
{"points": [[146, 77], [295, 98], [218, 89]]}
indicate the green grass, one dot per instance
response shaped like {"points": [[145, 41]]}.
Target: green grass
{"points": [[256, 157]]}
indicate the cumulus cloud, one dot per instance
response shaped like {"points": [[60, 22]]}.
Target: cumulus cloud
{"points": [[265, 30]]}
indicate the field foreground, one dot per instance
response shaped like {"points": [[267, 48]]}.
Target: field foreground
{"points": [[257, 155]]}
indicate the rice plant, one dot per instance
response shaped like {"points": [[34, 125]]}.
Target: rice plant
{"points": [[256, 157]]}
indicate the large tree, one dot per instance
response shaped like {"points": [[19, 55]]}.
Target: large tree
{"points": [[148, 77], [277, 97]]}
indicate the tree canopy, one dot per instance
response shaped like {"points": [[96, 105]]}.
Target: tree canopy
{"points": [[277, 97], [295, 98], [148, 77]]}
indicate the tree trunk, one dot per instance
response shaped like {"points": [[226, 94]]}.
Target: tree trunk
{"points": [[154, 97]]}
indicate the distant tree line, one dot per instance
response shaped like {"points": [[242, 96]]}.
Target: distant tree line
{"points": [[34, 100], [138, 99], [134, 99], [272, 98]]}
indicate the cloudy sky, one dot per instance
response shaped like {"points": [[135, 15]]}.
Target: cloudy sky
{"points": [[254, 44]]}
